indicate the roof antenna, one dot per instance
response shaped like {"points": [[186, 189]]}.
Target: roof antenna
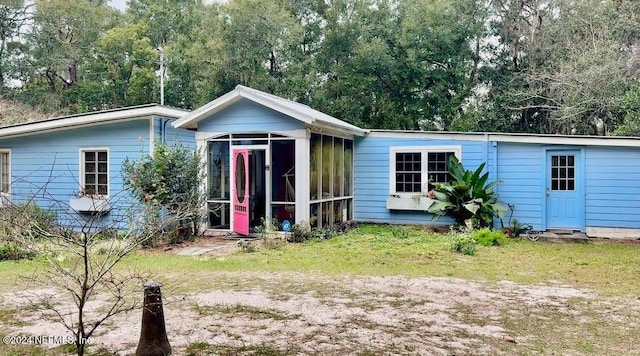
{"points": [[162, 71]]}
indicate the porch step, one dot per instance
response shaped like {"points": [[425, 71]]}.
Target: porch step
{"points": [[562, 235], [562, 231]]}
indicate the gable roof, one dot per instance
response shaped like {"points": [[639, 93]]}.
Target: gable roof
{"points": [[93, 118], [287, 107]]}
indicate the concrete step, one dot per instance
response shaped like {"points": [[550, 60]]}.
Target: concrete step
{"points": [[561, 235]]}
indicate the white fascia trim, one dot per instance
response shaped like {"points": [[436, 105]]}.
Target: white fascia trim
{"points": [[611, 141], [192, 118], [435, 135], [608, 141], [90, 119], [323, 126], [331, 131], [457, 151]]}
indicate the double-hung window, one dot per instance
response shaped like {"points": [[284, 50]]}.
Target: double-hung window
{"points": [[414, 170], [5, 173], [95, 171]]}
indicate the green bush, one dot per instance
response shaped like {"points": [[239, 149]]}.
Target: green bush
{"points": [[26, 220], [468, 199], [487, 237], [168, 183], [303, 231], [518, 228], [247, 246], [12, 251], [464, 243], [300, 232]]}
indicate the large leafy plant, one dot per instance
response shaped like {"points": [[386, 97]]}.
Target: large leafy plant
{"points": [[468, 199]]}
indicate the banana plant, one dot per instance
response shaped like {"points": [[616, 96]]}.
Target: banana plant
{"points": [[468, 199]]}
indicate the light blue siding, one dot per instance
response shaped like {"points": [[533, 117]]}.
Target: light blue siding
{"points": [[165, 132], [612, 187], [371, 176], [520, 167], [247, 116], [46, 167]]}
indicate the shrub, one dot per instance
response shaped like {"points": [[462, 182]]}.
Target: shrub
{"points": [[487, 237], [518, 228], [468, 199], [266, 227], [12, 251], [169, 182], [303, 231], [464, 243], [26, 220], [300, 232], [247, 246]]}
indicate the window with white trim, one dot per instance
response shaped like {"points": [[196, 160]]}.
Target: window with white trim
{"points": [[414, 170], [5, 171], [95, 171]]}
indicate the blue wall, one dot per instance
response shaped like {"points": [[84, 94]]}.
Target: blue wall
{"points": [[611, 174], [163, 130], [520, 169], [612, 187], [45, 167], [611, 191], [371, 176], [248, 116]]}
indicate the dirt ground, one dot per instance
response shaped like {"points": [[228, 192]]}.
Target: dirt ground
{"points": [[291, 313]]}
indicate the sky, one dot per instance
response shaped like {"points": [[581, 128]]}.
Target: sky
{"points": [[119, 4]]}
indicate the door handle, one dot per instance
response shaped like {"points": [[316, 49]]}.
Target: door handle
{"points": [[548, 192]]}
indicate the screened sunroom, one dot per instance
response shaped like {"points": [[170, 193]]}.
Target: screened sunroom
{"points": [[270, 159]]}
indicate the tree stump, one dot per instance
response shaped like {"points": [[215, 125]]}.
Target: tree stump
{"points": [[153, 336]]}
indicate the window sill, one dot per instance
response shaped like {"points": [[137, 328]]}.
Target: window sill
{"points": [[408, 203], [90, 205]]}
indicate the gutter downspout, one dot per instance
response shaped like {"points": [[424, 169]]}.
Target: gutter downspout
{"points": [[163, 130]]}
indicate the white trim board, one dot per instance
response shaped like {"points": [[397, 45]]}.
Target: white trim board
{"points": [[611, 141], [96, 118]]}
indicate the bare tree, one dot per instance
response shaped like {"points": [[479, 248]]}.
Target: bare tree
{"points": [[82, 251]]}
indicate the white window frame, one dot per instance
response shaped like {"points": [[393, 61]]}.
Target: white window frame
{"points": [[5, 197], [82, 171], [424, 167]]}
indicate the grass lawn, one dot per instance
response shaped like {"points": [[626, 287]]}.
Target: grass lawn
{"points": [[607, 267], [577, 325]]}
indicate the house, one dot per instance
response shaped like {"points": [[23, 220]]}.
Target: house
{"points": [[580, 183], [272, 158], [71, 164]]}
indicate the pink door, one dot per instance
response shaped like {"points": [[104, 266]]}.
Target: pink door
{"points": [[241, 195]]}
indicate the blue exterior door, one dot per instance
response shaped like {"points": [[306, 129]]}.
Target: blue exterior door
{"points": [[564, 203]]}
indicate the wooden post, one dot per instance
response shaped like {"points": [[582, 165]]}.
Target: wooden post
{"points": [[153, 336]]}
